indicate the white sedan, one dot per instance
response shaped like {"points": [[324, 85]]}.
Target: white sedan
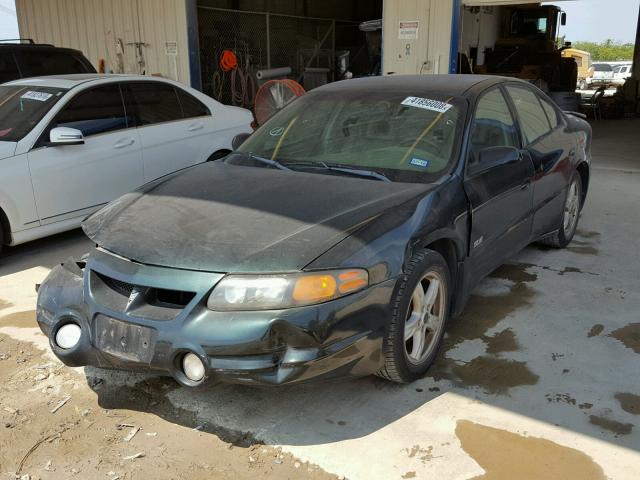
{"points": [[70, 144]]}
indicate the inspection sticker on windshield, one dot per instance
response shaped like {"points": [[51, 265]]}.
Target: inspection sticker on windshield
{"points": [[418, 162], [39, 96], [427, 104]]}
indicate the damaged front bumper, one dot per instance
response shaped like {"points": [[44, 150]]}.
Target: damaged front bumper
{"points": [[147, 318]]}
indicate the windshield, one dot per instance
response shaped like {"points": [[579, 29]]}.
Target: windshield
{"points": [[22, 107], [402, 136]]}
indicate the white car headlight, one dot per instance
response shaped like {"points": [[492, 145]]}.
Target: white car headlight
{"points": [[272, 292]]}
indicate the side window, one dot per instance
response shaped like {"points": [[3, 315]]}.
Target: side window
{"points": [[8, 67], [155, 102], [552, 113], [94, 111], [533, 120], [493, 125], [48, 62], [191, 106]]}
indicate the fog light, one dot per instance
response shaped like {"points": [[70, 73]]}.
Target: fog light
{"points": [[193, 367], [68, 335]]}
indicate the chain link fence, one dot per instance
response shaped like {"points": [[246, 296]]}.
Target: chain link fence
{"points": [[264, 40]]}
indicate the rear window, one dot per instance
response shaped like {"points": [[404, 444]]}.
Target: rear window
{"points": [[35, 63], [602, 67], [22, 108], [8, 67]]}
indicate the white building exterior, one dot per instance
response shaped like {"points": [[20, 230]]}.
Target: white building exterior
{"points": [[129, 36]]}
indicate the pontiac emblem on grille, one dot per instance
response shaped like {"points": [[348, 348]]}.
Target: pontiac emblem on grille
{"points": [[135, 293]]}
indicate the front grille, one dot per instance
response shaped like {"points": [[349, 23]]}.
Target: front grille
{"points": [[123, 288], [150, 302]]}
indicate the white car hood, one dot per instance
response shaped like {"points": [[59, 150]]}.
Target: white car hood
{"points": [[7, 149]]}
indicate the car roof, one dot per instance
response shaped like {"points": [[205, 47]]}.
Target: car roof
{"points": [[446, 84], [73, 80]]}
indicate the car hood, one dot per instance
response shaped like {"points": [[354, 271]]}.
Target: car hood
{"points": [[7, 149], [224, 218]]}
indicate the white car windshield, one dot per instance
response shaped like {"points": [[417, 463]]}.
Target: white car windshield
{"points": [[22, 107]]}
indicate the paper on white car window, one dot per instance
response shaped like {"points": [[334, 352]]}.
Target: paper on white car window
{"points": [[39, 96], [427, 104]]}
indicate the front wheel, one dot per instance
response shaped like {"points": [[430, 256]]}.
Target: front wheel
{"points": [[420, 313], [570, 216]]}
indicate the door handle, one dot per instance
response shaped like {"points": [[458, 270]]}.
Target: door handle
{"points": [[195, 126], [525, 185], [125, 142]]}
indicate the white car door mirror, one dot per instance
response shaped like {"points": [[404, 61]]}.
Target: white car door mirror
{"points": [[65, 136]]}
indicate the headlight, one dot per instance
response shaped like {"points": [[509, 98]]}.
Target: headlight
{"points": [[271, 292]]}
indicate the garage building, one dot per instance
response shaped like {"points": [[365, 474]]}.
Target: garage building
{"points": [[184, 39]]}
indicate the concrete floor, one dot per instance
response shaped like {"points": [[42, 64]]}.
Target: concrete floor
{"points": [[538, 378]]}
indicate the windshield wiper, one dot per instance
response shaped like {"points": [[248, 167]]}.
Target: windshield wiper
{"points": [[266, 161], [348, 170]]}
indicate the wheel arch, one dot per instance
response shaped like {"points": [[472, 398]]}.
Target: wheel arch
{"points": [[453, 253], [5, 226], [583, 171]]}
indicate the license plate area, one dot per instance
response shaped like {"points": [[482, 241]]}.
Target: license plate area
{"points": [[133, 343]]}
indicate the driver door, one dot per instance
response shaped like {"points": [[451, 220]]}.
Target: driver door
{"points": [[500, 195]]}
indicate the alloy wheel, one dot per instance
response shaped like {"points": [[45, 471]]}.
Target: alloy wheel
{"points": [[425, 318], [571, 209]]}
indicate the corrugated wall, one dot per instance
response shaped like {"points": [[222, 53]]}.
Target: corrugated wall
{"points": [[97, 27], [429, 52]]}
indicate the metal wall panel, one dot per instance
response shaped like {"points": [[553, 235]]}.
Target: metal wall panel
{"points": [[98, 27], [429, 52]]}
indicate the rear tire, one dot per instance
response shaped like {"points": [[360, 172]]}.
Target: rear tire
{"points": [[420, 310], [570, 216]]}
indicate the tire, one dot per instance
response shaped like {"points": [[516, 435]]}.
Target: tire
{"points": [[570, 211], [404, 360], [1, 238]]}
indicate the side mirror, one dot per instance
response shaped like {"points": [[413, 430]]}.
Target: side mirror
{"points": [[65, 136], [239, 140], [493, 157], [563, 19]]}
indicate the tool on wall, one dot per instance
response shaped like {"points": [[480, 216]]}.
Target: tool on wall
{"points": [[139, 55]]}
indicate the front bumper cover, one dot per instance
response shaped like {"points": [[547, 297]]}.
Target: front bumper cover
{"points": [[140, 332]]}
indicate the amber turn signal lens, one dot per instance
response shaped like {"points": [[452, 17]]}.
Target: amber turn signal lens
{"points": [[314, 288], [321, 287], [352, 280]]}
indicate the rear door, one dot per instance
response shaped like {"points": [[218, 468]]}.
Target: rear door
{"points": [[551, 149], [73, 180], [171, 140], [500, 196]]}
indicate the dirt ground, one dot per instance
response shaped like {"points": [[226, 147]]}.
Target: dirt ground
{"points": [[53, 427]]}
